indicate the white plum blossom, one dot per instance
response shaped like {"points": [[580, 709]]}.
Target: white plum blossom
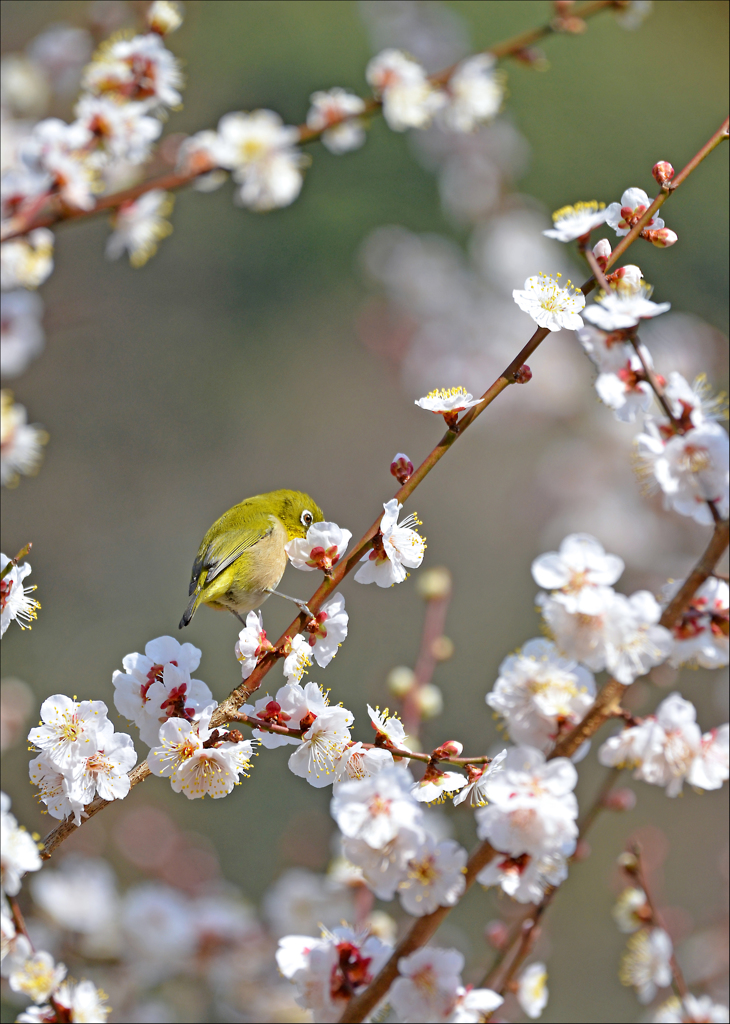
{"points": [[104, 772], [645, 963], [156, 686], [437, 785], [427, 985], [139, 226], [631, 911], [251, 643], [38, 977], [447, 400], [15, 601], [298, 659], [27, 261], [701, 634], [626, 390], [634, 641], [525, 878], [22, 338], [322, 548], [579, 571], [531, 806], [691, 1010], [579, 636], [375, 809], [691, 468], [321, 745], [328, 630], [260, 150], [359, 762], [693, 404], [538, 692], [571, 222], [294, 706], [139, 70], [194, 768], [479, 776], [608, 352], [70, 731], [334, 113], [21, 443], [549, 305], [328, 971], [81, 1001], [385, 867], [53, 789], [409, 99], [532, 991], [58, 150], [634, 204], [628, 302], [475, 93], [120, 132], [19, 851], [473, 1005], [396, 546], [668, 748], [389, 727], [435, 877]]}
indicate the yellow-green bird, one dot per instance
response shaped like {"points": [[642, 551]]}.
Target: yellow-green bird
{"points": [[242, 558]]}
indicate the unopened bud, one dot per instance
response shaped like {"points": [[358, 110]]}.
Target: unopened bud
{"points": [[523, 374], [533, 57], [662, 238], [619, 800], [497, 934], [430, 701], [602, 250], [442, 648], [663, 172], [164, 17], [402, 468], [401, 680], [451, 748], [628, 862], [434, 584]]}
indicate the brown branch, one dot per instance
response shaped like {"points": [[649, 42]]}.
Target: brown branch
{"points": [[22, 223], [433, 627], [637, 870]]}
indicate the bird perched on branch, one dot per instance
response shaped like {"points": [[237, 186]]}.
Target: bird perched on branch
{"points": [[242, 558]]}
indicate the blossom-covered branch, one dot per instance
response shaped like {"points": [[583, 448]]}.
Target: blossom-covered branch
{"points": [[37, 216], [609, 698]]}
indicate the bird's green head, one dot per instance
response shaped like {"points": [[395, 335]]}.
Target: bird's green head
{"points": [[297, 511]]}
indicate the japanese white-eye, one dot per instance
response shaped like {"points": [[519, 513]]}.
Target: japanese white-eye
{"points": [[242, 558]]}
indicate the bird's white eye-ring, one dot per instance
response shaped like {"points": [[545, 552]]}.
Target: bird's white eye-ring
{"points": [[306, 518]]}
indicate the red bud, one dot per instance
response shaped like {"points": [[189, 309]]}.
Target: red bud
{"points": [[523, 374], [401, 467], [663, 172]]}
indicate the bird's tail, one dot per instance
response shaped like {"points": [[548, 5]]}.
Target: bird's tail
{"points": [[190, 610]]}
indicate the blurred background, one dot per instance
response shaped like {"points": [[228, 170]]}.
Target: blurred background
{"points": [[286, 349]]}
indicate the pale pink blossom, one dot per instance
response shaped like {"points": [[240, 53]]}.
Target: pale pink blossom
{"points": [[427, 986], [435, 877]]}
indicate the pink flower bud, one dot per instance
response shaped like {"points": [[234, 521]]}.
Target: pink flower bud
{"points": [[663, 172], [602, 249], [451, 748], [662, 238], [497, 933], [620, 800], [523, 374], [401, 467]]}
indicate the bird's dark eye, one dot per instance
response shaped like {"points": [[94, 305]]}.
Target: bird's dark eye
{"points": [[306, 518]]}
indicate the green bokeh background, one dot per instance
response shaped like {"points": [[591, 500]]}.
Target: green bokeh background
{"points": [[230, 365]]}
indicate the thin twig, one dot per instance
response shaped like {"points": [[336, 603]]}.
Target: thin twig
{"points": [[656, 918]]}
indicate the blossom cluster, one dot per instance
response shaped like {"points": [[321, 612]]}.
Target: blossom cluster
{"points": [[30, 973], [80, 756]]}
